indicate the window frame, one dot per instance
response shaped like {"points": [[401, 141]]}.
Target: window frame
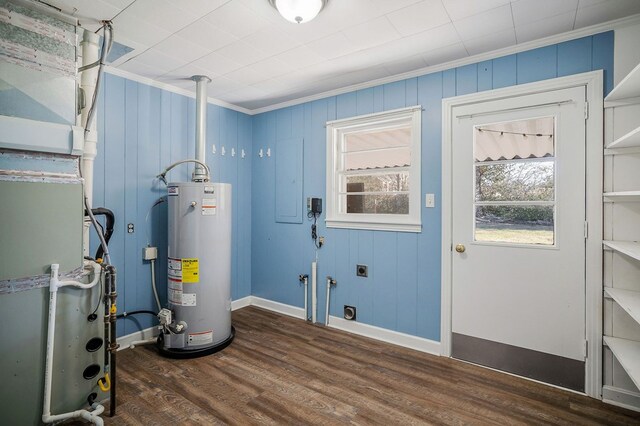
{"points": [[336, 130]]}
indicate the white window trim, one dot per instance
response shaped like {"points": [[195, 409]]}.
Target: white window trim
{"points": [[379, 222]]}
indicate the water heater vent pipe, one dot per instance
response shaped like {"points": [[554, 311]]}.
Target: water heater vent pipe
{"points": [[199, 173]]}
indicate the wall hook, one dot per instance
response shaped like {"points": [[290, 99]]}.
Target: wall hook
{"points": [[242, 153], [223, 152], [233, 152], [213, 149], [261, 153], [268, 152]]}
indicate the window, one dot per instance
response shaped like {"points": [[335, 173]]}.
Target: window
{"points": [[515, 182], [373, 171]]}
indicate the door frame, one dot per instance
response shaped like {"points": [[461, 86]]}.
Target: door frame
{"points": [[594, 151]]}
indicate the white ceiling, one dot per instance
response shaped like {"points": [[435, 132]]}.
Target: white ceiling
{"points": [[256, 58]]}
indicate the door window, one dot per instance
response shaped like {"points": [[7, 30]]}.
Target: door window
{"points": [[515, 184]]}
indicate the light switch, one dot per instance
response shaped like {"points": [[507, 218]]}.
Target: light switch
{"points": [[430, 200]]}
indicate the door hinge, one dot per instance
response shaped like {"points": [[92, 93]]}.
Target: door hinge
{"points": [[586, 110], [586, 349], [586, 230]]}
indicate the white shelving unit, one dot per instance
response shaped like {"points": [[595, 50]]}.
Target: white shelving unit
{"points": [[630, 140], [628, 300], [629, 248], [628, 354], [627, 90], [621, 196], [625, 95]]}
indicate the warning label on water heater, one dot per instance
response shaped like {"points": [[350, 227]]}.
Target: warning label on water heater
{"points": [[209, 206], [190, 270], [202, 338]]}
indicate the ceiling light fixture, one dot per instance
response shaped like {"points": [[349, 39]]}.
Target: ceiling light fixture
{"points": [[298, 11]]}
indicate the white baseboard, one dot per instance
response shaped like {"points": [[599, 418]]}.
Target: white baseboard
{"points": [[147, 333], [621, 397], [382, 334], [241, 303], [401, 339], [281, 308]]}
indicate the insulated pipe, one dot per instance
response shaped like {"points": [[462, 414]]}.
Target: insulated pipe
{"points": [[113, 345], [54, 285], [199, 174], [90, 54], [153, 284], [314, 291]]}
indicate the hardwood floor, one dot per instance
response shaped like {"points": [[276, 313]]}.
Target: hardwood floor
{"points": [[280, 370]]}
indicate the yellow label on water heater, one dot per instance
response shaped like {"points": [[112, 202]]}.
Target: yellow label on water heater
{"points": [[190, 270]]}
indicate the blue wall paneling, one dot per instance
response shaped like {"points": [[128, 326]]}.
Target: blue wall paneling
{"points": [[143, 129], [402, 292]]}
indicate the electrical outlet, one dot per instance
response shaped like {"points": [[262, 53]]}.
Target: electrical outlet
{"points": [[150, 253], [362, 270], [130, 228]]}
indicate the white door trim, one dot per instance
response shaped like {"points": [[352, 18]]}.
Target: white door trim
{"points": [[593, 81]]}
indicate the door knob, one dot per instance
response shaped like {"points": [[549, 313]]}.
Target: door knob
{"points": [[460, 248]]}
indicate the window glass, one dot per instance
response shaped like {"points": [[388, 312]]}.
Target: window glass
{"points": [[373, 177], [515, 182]]}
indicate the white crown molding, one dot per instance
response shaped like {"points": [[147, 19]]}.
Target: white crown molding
{"points": [[555, 39], [170, 88]]}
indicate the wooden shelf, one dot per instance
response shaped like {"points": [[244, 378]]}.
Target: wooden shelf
{"points": [[629, 248], [631, 139], [628, 354], [628, 300], [621, 196], [629, 87]]}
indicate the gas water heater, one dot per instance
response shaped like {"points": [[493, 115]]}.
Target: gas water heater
{"points": [[198, 321]]}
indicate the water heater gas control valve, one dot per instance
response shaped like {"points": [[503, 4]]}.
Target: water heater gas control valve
{"points": [[165, 317]]}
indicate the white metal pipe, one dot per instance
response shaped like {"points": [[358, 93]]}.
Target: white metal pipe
{"points": [[148, 341], [326, 312], [201, 125], [306, 296], [54, 285], [90, 53], [314, 291]]}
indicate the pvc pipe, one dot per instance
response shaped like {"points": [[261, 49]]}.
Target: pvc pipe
{"points": [[306, 296], [314, 291], [90, 54], [148, 341], [54, 285], [326, 312], [201, 126]]}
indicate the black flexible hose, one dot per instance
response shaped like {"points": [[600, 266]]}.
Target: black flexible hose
{"points": [[141, 311], [111, 221]]}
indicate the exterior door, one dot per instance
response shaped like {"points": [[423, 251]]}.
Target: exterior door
{"points": [[518, 279]]}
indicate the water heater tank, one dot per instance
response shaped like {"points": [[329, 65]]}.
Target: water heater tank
{"points": [[199, 269]]}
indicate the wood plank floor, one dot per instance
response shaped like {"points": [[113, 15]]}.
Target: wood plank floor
{"points": [[280, 370]]}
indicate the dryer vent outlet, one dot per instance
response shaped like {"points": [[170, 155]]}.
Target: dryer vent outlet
{"points": [[349, 313]]}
